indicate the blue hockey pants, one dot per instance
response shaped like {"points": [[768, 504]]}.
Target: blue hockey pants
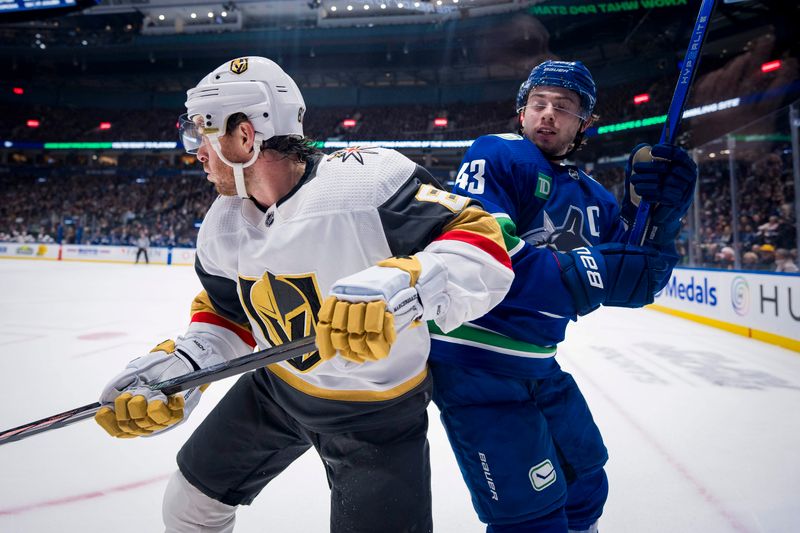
{"points": [[528, 449]]}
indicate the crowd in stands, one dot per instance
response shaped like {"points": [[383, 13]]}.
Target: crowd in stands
{"points": [[113, 210], [464, 121], [372, 123], [103, 209], [766, 218]]}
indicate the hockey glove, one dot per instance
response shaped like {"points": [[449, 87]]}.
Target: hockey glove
{"points": [[613, 274], [664, 176], [364, 312], [132, 409]]}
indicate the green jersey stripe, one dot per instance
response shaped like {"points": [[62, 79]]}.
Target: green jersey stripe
{"points": [[488, 340]]}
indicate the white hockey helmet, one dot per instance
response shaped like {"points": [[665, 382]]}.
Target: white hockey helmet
{"points": [[255, 86]]}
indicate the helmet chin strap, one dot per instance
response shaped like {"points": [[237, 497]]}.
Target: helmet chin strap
{"points": [[576, 143], [238, 168]]}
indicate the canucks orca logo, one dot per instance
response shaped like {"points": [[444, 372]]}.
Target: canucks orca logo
{"points": [[285, 308], [563, 238]]}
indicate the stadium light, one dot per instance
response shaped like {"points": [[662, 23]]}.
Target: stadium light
{"points": [[32, 123], [440, 122], [771, 66], [18, 90], [105, 126], [641, 98], [349, 123]]}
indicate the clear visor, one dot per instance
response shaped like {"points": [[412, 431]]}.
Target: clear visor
{"points": [[560, 106], [191, 131]]}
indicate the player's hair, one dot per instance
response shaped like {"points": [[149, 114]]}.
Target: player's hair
{"points": [[288, 145]]}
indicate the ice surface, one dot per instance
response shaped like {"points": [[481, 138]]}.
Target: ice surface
{"points": [[702, 426]]}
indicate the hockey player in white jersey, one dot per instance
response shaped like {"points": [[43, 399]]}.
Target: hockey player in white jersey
{"points": [[365, 226]]}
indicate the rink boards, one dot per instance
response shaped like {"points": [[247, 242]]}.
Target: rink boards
{"points": [[763, 305], [95, 254]]}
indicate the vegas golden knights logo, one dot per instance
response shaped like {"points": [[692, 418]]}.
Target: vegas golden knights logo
{"points": [[239, 65], [285, 308]]}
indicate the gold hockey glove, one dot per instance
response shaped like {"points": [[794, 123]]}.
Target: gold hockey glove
{"points": [[364, 313], [132, 409]]}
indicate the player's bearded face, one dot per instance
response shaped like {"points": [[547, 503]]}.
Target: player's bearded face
{"points": [[218, 172], [551, 119]]}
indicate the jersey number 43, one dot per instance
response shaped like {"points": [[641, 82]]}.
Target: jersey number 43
{"points": [[470, 176]]}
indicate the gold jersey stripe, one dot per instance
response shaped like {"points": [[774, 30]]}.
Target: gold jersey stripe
{"points": [[300, 384], [475, 220], [202, 303]]}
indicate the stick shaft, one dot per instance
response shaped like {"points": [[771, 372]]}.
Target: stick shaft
{"points": [[679, 97], [240, 365]]}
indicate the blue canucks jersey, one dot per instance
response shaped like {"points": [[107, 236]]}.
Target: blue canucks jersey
{"points": [[541, 207]]}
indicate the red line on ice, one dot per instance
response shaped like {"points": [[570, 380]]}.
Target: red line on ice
{"points": [[701, 489], [82, 497]]}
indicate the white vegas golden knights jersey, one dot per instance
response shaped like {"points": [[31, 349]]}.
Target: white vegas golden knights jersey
{"points": [[266, 271]]}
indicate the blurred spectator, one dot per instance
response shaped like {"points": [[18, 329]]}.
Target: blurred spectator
{"points": [[725, 258], [784, 262], [766, 254], [750, 261]]}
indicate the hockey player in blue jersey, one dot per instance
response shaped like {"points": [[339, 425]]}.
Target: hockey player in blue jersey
{"points": [[521, 430]]}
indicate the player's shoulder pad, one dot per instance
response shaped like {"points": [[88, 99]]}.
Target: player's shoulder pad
{"points": [[222, 217], [507, 149], [364, 155], [361, 171], [507, 136], [495, 142], [216, 235], [598, 189]]}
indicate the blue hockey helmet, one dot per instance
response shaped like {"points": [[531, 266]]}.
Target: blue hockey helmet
{"points": [[572, 75]]}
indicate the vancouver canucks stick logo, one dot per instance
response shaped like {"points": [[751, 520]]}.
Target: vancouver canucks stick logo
{"points": [[563, 238], [285, 308]]}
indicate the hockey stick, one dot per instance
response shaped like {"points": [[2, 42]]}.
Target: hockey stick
{"points": [[171, 386], [679, 97]]}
